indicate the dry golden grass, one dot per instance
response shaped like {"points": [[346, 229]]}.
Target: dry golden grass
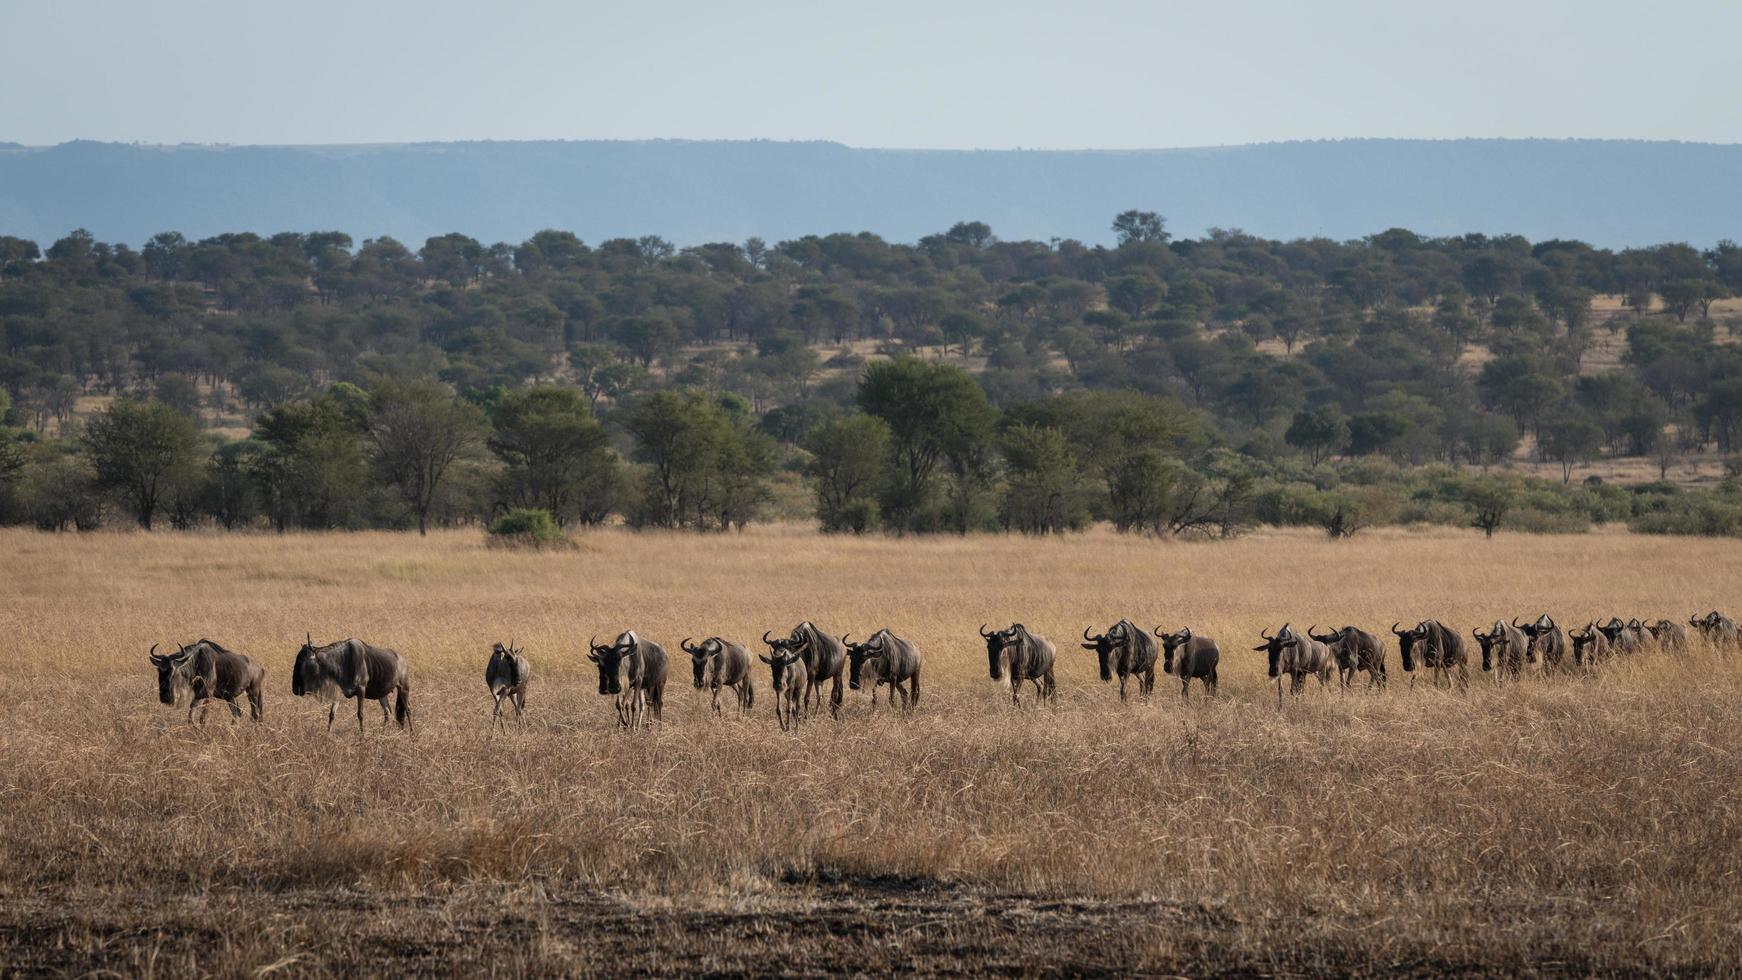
{"points": [[1558, 825]]}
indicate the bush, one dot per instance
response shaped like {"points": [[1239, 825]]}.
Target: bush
{"points": [[527, 527]]}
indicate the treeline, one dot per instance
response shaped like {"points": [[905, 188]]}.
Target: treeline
{"points": [[956, 384]]}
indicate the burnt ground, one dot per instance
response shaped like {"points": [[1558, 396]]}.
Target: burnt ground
{"points": [[859, 925]]}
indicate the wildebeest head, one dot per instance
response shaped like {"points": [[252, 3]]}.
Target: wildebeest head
{"points": [[701, 654], [305, 673], [1407, 641], [857, 654], [1344, 652], [1539, 626], [1612, 629], [170, 677], [610, 660], [1274, 645], [1584, 644], [996, 641], [780, 663], [1488, 640], [1171, 642], [1104, 644]]}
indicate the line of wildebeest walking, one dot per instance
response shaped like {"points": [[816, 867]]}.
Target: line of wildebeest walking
{"points": [[632, 669]]}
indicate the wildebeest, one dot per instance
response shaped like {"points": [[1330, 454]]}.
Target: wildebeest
{"points": [[1026, 656], [1190, 657], [1590, 647], [1441, 650], [354, 669], [209, 673], [1668, 634], [824, 660], [1717, 628], [721, 663], [1355, 649], [885, 659], [789, 678], [642, 664], [1296, 657], [507, 675], [1548, 642], [1622, 637], [1504, 646], [1127, 650]]}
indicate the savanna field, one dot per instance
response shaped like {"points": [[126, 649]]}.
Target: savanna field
{"points": [[1561, 825]]}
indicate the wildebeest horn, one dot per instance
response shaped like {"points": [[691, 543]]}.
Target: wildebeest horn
{"points": [[1086, 635], [1265, 635], [765, 638], [153, 653], [983, 632], [1514, 622], [685, 643], [593, 642], [1395, 630], [844, 639], [1479, 636], [1185, 634], [1158, 632]]}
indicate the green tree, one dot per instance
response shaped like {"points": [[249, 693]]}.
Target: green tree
{"points": [[418, 433], [935, 413], [849, 467], [1321, 432], [141, 449], [1140, 226], [1046, 492], [556, 457]]}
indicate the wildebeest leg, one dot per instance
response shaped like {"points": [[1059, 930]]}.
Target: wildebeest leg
{"points": [[360, 700], [235, 709], [496, 713], [1121, 685], [331, 710], [384, 717]]}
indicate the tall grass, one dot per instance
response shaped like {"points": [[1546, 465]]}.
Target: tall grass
{"points": [[1595, 812]]}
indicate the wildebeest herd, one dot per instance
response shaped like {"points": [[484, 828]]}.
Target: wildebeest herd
{"points": [[632, 669]]}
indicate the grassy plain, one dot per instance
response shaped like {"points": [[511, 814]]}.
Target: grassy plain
{"points": [[1565, 825]]}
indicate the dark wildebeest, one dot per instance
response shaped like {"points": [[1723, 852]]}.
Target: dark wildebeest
{"points": [[1504, 646], [824, 660], [885, 659], [1441, 648], [1668, 634], [210, 673], [721, 663], [1190, 657], [643, 664], [1296, 657], [507, 675], [788, 675], [1590, 647], [1354, 650], [1126, 650], [1548, 642], [1027, 656], [1622, 637], [354, 669], [1718, 629]]}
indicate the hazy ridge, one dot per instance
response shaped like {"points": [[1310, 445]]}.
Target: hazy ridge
{"points": [[1612, 193]]}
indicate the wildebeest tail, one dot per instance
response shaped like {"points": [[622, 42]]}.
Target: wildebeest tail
{"points": [[402, 706], [749, 693]]}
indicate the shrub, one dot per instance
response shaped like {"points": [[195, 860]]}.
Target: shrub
{"points": [[527, 527]]}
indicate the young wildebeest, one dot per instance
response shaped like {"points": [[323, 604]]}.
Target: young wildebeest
{"points": [[1548, 642], [1718, 629], [507, 674], [1668, 634], [1028, 658], [721, 663], [1296, 657], [884, 659], [789, 677], [210, 673], [1355, 650], [642, 664], [1590, 647], [1506, 646], [824, 660], [1127, 650], [1190, 657], [1441, 648], [354, 669]]}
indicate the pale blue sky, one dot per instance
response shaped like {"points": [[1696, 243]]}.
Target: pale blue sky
{"points": [[895, 73]]}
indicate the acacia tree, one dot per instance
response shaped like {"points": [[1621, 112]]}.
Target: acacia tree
{"points": [[849, 465], [418, 432], [557, 457], [935, 413], [141, 450]]}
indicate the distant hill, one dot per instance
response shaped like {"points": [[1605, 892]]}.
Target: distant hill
{"points": [[1611, 193]]}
